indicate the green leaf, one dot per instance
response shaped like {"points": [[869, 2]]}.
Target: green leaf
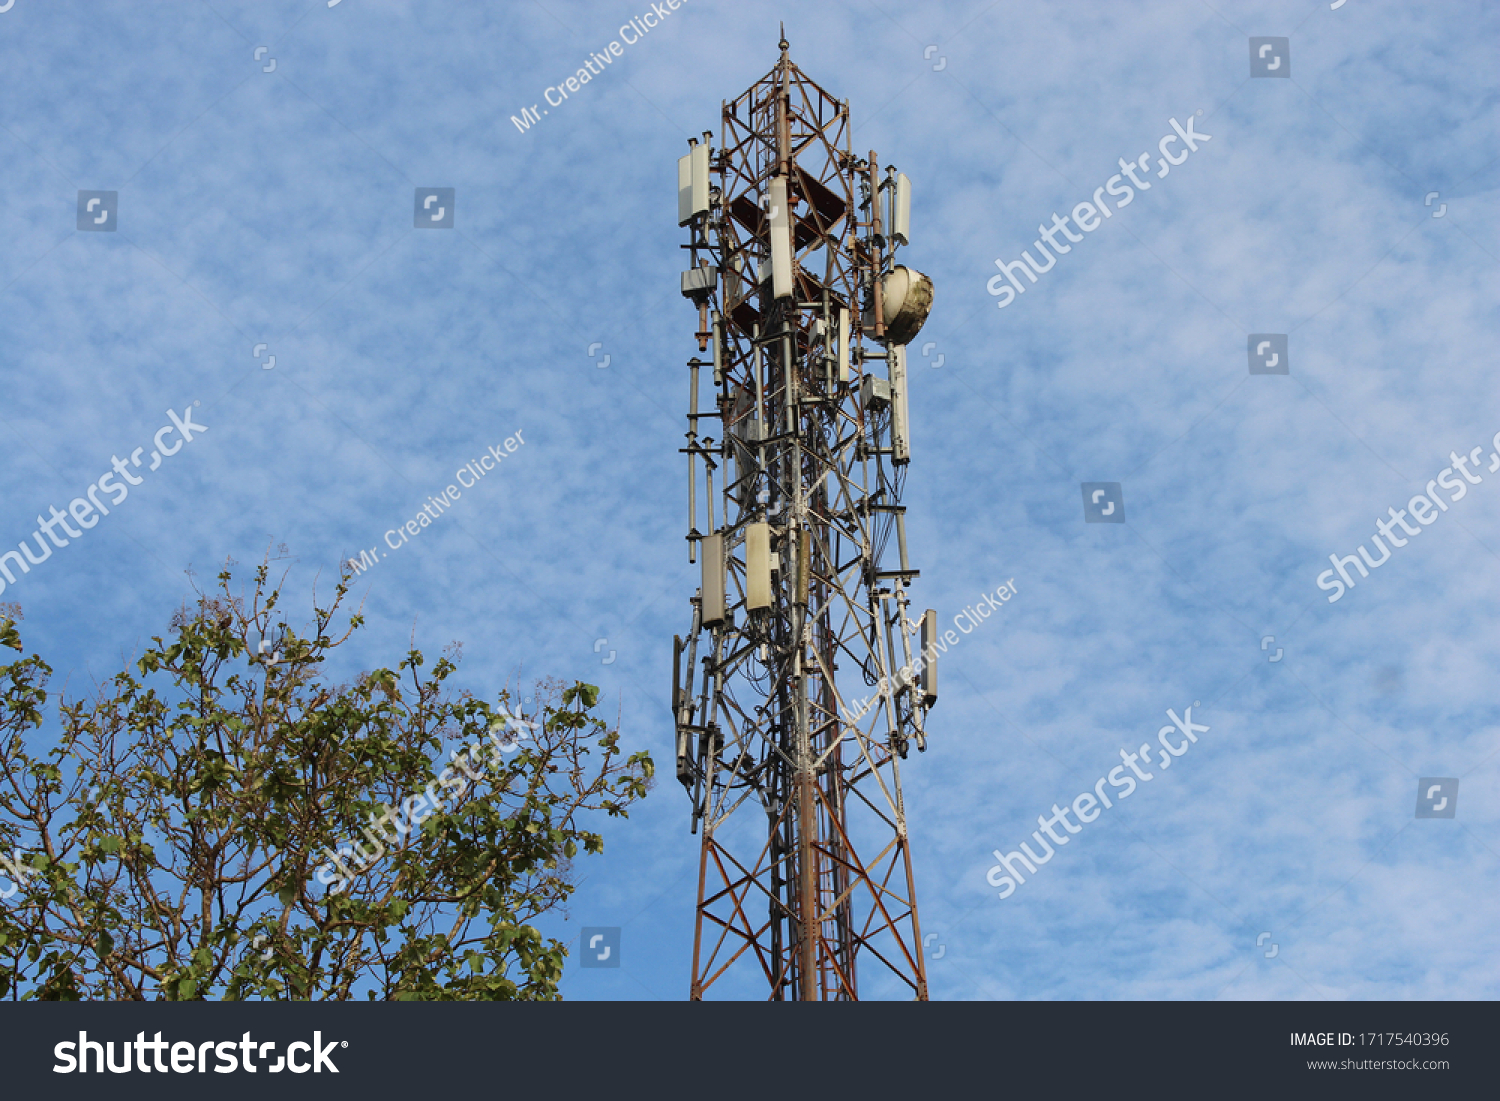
{"points": [[285, 768]]}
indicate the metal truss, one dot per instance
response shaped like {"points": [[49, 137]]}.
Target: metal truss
{"points": [[795, 692]]}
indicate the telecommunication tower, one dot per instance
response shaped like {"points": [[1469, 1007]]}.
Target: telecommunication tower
{"points": [[800, 686]]}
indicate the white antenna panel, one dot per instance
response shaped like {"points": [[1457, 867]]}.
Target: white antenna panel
{"points": [[843, 344], [929, 657], [713, 580], [757, 566], [900, 440], [692, 184], [781, 240], [901, 210]]}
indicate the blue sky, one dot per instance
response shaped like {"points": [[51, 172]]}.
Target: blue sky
{"points": [[276, 208]]}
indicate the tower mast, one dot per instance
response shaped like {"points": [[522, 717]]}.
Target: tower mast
{"points": [[800, 686]]}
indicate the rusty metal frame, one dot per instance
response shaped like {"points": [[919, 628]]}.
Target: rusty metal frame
{"points": [[765, 734]]}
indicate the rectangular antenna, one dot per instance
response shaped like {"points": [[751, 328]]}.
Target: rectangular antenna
{"points": [[692, 184], [757, 566], [901, 210], [803, 546], [781, 240], [843, 344], [718, 328], [677, 693], [713, 580], [900, 441], [929, 657]]}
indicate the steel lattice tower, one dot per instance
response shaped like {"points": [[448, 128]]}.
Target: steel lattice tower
{"points": [[797, 691]]}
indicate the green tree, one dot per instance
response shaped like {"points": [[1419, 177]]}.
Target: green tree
{"points": [[184, 837]]}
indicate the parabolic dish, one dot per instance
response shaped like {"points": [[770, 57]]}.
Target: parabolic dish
{"points": [[907, 298]]}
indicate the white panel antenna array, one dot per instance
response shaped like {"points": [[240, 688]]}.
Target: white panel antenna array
{"points": [[900, 435], [781, 240], [757, 567], [900, 199], [843, 344], [692, 184]]}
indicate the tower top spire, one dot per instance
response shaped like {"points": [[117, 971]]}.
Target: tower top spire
{"points": [[783, 43]]}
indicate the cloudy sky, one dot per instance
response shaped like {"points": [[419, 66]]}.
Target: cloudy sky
{"points": [[1349, 206]]}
